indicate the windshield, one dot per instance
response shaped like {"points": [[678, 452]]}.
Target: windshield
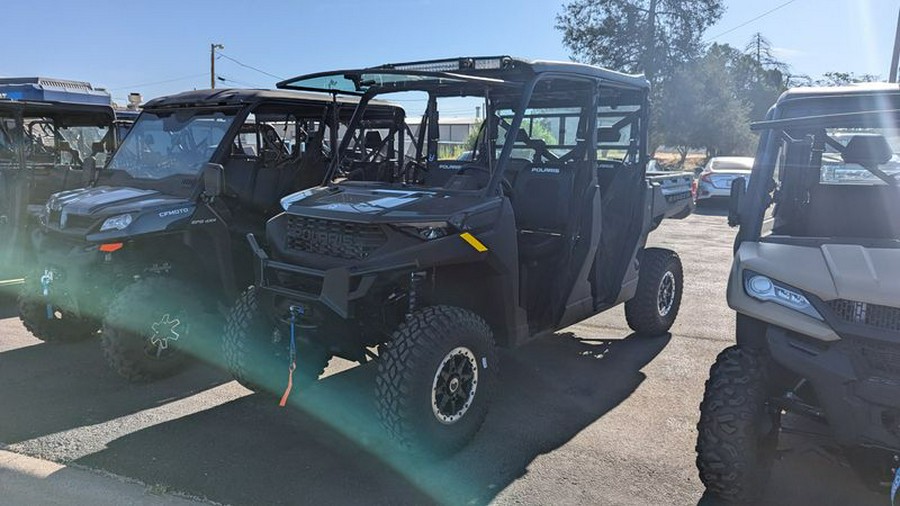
{"points": [[47, 142], [162, 145], [357, 83], [833, 179]]}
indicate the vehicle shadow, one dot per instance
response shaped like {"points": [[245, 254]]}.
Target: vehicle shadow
{"points": [[48, 388], [8, 302], [330, 448], [712, 208]]}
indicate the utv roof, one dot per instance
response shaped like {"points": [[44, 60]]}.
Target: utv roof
{"points": [[861, 102], [239, 97], [500, 69], [46, 89]]}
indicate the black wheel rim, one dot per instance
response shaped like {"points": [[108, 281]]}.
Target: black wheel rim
{"points": [[454, 387]]}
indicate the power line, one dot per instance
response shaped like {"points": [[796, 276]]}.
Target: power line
{"points": [[242, 64], [222, 78], [141, 85], [764, 14]]}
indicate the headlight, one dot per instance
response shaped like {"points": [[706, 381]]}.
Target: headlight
{"points": [[426, 231], [768, 290], [119, 222]]}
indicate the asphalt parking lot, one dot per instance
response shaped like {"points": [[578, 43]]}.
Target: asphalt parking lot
{"points": [[591, 415]]}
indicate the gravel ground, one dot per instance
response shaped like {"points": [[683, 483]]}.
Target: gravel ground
{"points": [[590, 415]]}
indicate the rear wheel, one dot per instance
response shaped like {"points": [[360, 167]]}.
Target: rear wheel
{"points": [[56, 323], [257, 353], [149, 327], [653, 309], [738, 431], [436, 378]]}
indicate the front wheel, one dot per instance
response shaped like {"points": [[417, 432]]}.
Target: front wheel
{"points": [[149, 326], [257, 353], [738, 430], [653, 309], [436, 379], [50, 319]]}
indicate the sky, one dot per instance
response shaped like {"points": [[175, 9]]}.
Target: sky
{"points": [[163, 46]]}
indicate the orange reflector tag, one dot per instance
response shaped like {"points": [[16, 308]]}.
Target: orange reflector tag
{"points": [[473, 242], [109, 248]]}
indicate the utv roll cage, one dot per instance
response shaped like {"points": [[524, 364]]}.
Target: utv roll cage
{"points": [[486, 77]]}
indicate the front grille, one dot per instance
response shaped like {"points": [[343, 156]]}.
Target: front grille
{"points": [[870, 315], [350, 241], [880, 357]]}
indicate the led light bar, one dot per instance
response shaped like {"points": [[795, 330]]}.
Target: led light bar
{"points": [[457, 64]]}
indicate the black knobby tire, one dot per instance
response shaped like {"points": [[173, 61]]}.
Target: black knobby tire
{"points": [[659, 269], [127, 331], [408, 371], [257, 355], [738, 432], [62, 327]]}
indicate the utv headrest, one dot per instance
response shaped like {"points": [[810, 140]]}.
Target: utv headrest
{"points": [[867, 150], [373, 139]]}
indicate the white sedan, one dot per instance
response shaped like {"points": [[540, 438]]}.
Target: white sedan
{"points": [[718, 174]]}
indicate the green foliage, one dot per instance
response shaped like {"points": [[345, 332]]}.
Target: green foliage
{"points": [[650, 36], [540, 129], [704, 106], [844, 78]]}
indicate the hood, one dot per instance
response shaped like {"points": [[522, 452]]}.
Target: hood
{"points": [[830, 271], [108, 200], [864, 274], [83, 211], [379, 204]]}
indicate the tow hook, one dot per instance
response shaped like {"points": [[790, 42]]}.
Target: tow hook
{"points": [[46, 281], [296, 311]]}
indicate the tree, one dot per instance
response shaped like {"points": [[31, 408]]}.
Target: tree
{"points": [[762, 51], [844, 78], [703, 106], [650, 36]]}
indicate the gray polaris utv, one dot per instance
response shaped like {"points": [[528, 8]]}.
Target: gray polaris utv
{"points": [[436, 262], [816, 287], [49, 130], [155, 245]]}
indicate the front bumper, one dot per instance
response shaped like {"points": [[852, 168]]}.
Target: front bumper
{"points": [[862, 406], [337, 288]]}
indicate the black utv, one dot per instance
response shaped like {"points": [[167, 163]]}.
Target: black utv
{"points": [[49, 130], [436, 262], [156, 244], [816, 287]]}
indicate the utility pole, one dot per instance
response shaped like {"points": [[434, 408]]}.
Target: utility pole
{"points": [[212, 64], [895, 59]]}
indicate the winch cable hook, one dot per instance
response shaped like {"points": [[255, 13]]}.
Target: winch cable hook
{"points": [[46, 279], [293, 356]]}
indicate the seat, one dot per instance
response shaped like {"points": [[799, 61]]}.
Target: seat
{"points": [[542, 202]]}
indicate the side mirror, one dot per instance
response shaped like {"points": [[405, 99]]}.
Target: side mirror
{"points": [[213, 180], [88, 170], [738, 190]]}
